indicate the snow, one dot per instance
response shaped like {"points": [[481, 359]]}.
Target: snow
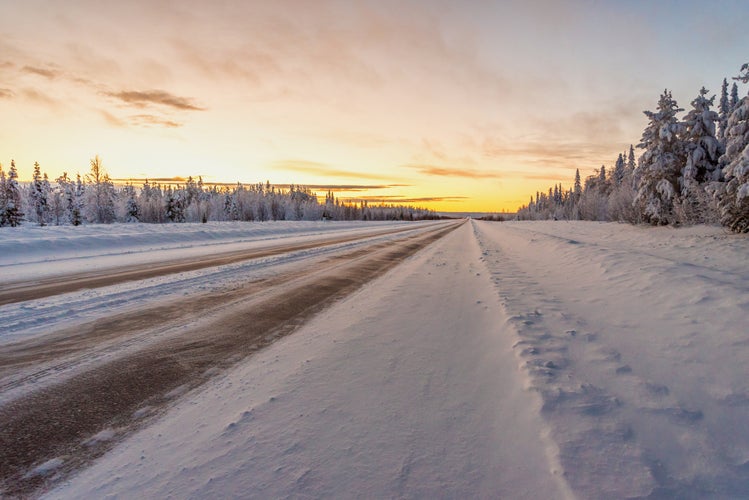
{"points": [[32, 252], [526, 359]]}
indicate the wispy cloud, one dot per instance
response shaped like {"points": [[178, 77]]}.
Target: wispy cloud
{"points": [[139, 180], [6, 93], [395, 199], [111, 119], [39, 97], [144, 98], [454, 172], [353, 187], [147, 120], [321, 169], [45, 72]]}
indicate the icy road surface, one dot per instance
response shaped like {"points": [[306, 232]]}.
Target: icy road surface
{"points": [[511, 360]]}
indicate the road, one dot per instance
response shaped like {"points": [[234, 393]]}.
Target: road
{"points": [[76, 382]]}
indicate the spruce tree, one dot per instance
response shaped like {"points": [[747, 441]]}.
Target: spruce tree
{"points": [[724, 111], [619, 169], [100, 196], [39, 194], [13, 213], [734, 102], [733, 195], [702, 148], [3, 205], [661, 162]]}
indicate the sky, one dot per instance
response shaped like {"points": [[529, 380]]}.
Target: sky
{"points": [[446, 104]]}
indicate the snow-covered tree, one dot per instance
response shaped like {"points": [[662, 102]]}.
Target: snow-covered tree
{"points": [[701, 146], [619, 168], [734, 102], [724, 111], [733, 194], [99, 194], [13, 213], [661, 162], [744, 74], [3, 183], [131, 211], [39, 194], [702, 150]]}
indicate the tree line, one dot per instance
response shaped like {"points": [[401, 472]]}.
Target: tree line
{"points": [[692, 170], [95, 199]]}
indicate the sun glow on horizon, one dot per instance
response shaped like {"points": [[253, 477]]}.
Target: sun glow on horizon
{"points": [[456, 108]]}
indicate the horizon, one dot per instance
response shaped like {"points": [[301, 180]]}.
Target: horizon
{"points": [[456, 107]]}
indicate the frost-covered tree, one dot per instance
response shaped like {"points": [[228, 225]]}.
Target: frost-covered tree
{"points": [[39, 194], [619, 168], [724, 111], [702, 148], [703, 151], [76, 203], [131, 211], [13, 213], [661, 162], [100, 194], [578, 187], [734, 102], [733, 194], [3, 183], [744, 74]]}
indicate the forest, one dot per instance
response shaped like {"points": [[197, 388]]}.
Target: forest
{"points": [[692, 170], [95, 199]]}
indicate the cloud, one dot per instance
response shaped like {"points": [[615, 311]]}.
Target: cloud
{"points": [[321, 169], [147, 120], [6, 93], [111, 119], [397, 199], [550, 152], [352, 187], [141, 99], [454, 172], [46, 73], [151, 180], [39, 97]]}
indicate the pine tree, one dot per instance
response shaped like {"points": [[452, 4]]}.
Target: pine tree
{"points": [[100, 199], [702, 151], [619, 169], [661, 162], [132, 214], [3, 204], [744, 76], [701, 146], [734, 103], [724, 111], [578, 187], [39, 194], [13, 213], [733, 195], [76, 213]]}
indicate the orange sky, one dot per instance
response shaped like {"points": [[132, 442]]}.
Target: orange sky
{"points": [[457, 106]]}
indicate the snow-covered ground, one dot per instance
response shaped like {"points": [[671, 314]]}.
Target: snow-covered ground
{"points": [[513, 360], [32, 252]]}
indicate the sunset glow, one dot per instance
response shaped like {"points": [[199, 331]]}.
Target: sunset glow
{"points": [[455, 106]]}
